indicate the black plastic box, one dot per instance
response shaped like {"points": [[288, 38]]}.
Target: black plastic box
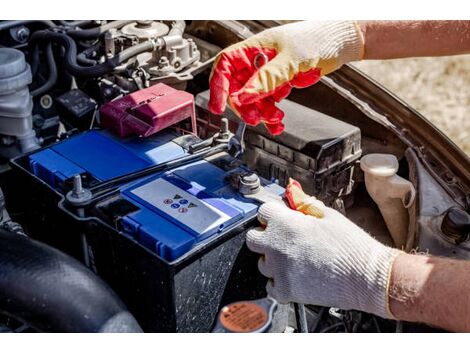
{"points": [[77, 108]]}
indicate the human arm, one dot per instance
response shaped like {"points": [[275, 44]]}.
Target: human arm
{"points": [[431, 290], [401, 39], [330, 261]]}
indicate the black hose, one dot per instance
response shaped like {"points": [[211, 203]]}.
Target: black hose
{"points": [[10, 24], [52, 80], [52, 292], [71, 54], [77, 23], [34, 60], [83, 58], [97, 31]]}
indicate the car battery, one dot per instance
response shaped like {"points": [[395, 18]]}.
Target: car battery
{"points": [[170, 243]]}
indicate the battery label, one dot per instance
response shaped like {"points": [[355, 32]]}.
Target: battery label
{"points": [[183, 207]]}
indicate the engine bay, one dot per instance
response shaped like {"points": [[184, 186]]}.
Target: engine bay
{"points": [[109, 153]]}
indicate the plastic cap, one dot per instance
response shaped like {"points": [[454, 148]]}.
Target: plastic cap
{"points": [[12, 62], [146, 29], [379, 164], [14, 71]]}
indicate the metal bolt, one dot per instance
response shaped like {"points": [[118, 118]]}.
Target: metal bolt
{"points": [[224, 125], [46, 101], [77, 186], [22, 34], [224, 130], [224, 133], [249, 183], [163, 62], [78, 195]]}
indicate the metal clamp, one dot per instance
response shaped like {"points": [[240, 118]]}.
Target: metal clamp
{"points": [[236, 144]]}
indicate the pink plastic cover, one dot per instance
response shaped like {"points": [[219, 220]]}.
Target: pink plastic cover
{"points": [[148, 111]]}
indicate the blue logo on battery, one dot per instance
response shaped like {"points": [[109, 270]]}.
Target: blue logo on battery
{"points": [[183, 201], [175, 205]]}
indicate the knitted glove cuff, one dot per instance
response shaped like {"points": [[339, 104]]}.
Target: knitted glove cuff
{"points": [[373, 294], [338, 41]]}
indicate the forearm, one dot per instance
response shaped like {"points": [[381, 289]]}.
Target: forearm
{"points": [[400, 39], [431, 290]]}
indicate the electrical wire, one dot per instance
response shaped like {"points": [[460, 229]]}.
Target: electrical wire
{"points": [[331, 327], [93, 118], [319, 318], [301, 318]]}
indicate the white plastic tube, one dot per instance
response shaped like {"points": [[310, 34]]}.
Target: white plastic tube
{"points": [[392, 193]]}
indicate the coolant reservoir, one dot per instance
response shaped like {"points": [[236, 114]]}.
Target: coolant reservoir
{"points": [[16, 104], [392, 193]]}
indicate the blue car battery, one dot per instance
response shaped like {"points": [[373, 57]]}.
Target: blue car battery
{"points": [[170, 243], [176, 209]]}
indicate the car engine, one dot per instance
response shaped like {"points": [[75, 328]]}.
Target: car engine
{"points": [[109, 153]]}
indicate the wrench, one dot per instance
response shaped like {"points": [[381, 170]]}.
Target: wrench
{"points": [[236, 144]]}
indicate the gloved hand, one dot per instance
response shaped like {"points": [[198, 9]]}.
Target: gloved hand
{"points": [[298, 54], [325, 261]]}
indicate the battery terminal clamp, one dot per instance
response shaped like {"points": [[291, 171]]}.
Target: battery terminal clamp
{"points": [[249, 186], [222, 137]]}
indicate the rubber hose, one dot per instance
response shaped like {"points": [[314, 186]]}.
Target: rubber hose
{"points": [[10, 24], [177, 28], [83, 59], [34, 60], [97, 31], [53, 292], [71, 54], [76, 23], [52, 80]]}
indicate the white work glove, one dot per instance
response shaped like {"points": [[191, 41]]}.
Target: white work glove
{"points": [[297, 55], [328, 261]]}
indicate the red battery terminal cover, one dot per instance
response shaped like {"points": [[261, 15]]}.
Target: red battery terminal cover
{"points": [[148, 111]]}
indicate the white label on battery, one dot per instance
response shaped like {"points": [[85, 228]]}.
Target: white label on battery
{"points": [[180, 205]]}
